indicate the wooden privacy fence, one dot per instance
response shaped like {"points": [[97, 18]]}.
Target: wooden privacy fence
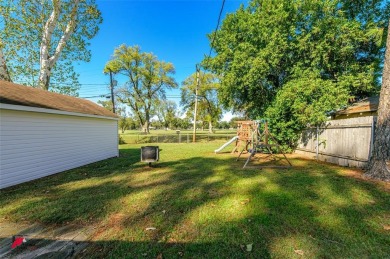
{"points": [[345, 142]]}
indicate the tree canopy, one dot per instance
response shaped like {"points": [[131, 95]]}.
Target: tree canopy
{"points": [[272, 50], [147, 80], [209, 109], [166, 112], [41, 40]]}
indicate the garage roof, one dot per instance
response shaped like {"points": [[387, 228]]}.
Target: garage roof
{"points": [[11, 93], [369, 104]]}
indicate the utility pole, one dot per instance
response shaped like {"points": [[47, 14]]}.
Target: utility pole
{"points": [[196, 102], [112, 92]]}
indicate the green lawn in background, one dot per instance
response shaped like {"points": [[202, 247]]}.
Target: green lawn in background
{"points": [[204, 205], [163, 132], [173, 136]]}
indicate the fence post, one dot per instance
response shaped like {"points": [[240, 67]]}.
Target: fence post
{"points": [[188, 138]]}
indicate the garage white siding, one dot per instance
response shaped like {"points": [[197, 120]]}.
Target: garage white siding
{"points": [[36, 144]]}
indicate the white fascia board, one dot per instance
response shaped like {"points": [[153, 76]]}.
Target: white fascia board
{"points": [[51, 111]]}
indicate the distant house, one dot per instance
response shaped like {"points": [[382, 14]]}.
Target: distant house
{"points": [[365, 107], [43, 133]]}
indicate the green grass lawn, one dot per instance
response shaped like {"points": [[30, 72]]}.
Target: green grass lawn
{"points": [[204, 205], [172, 136], [162, 132]]}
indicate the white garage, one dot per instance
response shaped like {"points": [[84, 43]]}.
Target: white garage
{"points": [[43, 133]]}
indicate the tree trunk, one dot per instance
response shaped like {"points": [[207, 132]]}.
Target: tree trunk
{"points": [[4, 75], [44, 79], [147, 122], [379, 164], [210, 127], [47, 62], [146, 127], [44, 76]]}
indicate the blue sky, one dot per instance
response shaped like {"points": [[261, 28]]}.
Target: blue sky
{"points": [[173, 30]]}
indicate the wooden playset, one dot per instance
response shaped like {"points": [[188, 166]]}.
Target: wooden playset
{"points": [[250, 139], [245, 131]]}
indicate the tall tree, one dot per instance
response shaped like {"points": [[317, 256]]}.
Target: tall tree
{"points": [[107, 105], [209, 109], [379, 164], [42, 39], [119, 109], [303, 101], [264, 48], [147, 80], [166, 112], [123, 124]]}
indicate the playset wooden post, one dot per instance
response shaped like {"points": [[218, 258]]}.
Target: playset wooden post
{"points": [[261, 142], [249, 136], [245, 131]]}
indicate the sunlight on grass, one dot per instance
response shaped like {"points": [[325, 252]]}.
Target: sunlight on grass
{"points": [[361, 196], [196, 204], [328, 195], [9, 210], [294, 246], [88, 183], [213, 179], [137, 201], [229, 208], [147, 178], [330, 220]]}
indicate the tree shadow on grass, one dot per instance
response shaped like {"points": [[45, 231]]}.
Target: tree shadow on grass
{"points": [[325, 213], [77, 194], [210, 207]]}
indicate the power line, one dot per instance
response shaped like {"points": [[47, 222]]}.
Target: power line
{"points": [[95, 84], [216, 28], [198, 71], [96, 96], [68, 84], [56, 83], [93, 90]]}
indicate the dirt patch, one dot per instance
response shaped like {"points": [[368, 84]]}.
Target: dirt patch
{"points": [[114, 223], [359, 174], [116, 219]]}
